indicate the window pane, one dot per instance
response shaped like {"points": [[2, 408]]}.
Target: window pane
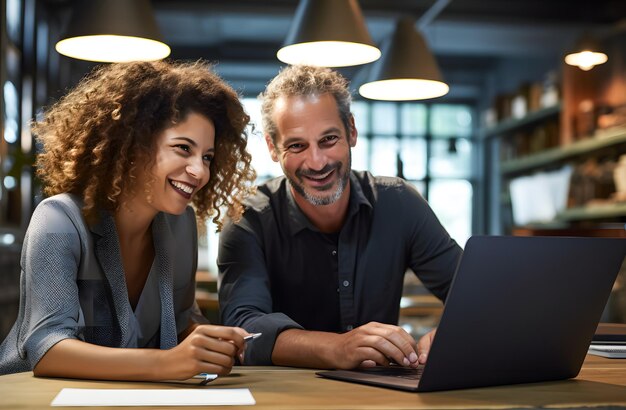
{"points": [[451, 158], [11, 113], [14, 20], [384, 119], [451, 200], [413, 155], [360, 111], [208, 256], [413, 119], [253, 109], [451, 121], [261, 159], [360, 154], [384, 156]]}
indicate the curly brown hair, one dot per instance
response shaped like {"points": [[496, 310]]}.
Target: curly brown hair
{"points": [[97, 137]]}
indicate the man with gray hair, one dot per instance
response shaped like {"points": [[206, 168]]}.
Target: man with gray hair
{"points": [[318, 260]]}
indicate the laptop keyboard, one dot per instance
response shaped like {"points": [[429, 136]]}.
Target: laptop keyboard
{"points": [[396, 371]]}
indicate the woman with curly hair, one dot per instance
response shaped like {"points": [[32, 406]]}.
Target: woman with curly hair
{"points": [[109, 259]]}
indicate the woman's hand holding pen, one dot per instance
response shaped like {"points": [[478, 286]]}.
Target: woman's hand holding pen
{"points": [[207, 349]]}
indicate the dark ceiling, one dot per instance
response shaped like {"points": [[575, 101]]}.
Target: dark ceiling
{"points": [[470, 38]]}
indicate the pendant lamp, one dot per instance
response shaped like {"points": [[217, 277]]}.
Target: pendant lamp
{"points": [[586, 55], [113, 31], [328, 33], [407, 69]]}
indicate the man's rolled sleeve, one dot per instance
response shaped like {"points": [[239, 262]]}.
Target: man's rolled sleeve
{"points": [[245, 295]]}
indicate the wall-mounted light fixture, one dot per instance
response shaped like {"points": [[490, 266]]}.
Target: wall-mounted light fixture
{"points": [[586, 54], [328, 33], [407, 69], [113, 31]]}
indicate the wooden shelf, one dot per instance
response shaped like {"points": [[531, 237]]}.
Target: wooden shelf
{"points": [[602, 230], [593, 212], [600, 140], [583, 213], [532, 118]]}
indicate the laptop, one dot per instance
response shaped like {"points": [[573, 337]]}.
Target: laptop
{"points": [[519, 310]]}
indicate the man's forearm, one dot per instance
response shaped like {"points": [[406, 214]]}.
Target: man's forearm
{"points": [[367, 345], [302, 348]]}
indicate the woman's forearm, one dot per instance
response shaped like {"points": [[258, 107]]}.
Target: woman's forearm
{"points": [[76, 359], [206, 349]]}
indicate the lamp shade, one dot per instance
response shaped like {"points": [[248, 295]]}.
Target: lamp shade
{"points": [[586, 55], [113, 31], [328, 33], [407, 69]]}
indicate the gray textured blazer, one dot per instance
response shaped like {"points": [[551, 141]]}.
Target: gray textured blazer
{"points": [[73, 285]]}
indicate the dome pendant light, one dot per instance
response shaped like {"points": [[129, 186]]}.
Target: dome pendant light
{"points": [[113, 31], [586, 55], [328, 33], [407, 70]]}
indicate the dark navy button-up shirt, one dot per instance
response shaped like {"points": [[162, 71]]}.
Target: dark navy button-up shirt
{"points": [[277, 271]]}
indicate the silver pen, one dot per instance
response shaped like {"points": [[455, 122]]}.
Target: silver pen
{"points": [[206, 378], [251, 337]]}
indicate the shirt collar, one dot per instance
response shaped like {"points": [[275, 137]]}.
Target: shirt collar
{"points": [[298, 221]]}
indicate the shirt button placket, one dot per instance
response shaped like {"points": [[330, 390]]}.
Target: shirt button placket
{"points": [[334, 253]]}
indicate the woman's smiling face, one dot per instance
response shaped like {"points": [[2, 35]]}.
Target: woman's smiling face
{"points": [[181, 167]]}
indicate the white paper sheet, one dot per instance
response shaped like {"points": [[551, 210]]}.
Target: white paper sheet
{"points": [[615, 351], [156, 397]]}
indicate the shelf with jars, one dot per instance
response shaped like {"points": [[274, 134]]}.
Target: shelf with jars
{"points": [[530, 129], [601, 140], [581, 182], [512, 125], [599, 211], [563, 166]]}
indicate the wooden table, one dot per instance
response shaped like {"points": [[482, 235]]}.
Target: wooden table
{"points": [[602, 382]]}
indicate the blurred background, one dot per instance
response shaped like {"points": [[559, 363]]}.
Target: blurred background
{"points": [[521, 142]]}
